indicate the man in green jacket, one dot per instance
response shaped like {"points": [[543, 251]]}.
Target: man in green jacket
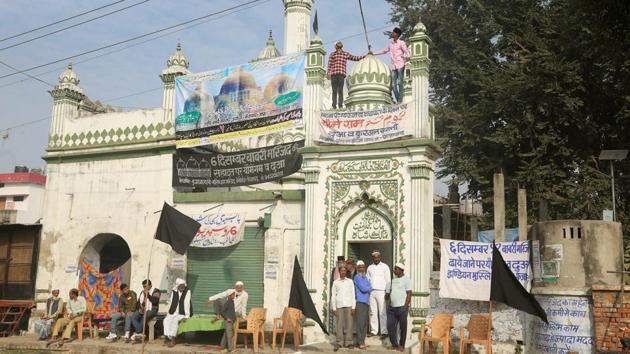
{"points": [[126, 307]]}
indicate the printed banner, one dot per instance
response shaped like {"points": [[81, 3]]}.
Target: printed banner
{"points": [[218, 230], [100, 289], [200, 168], [247, 100], [466, 267], [570, 326], [365, 127]]}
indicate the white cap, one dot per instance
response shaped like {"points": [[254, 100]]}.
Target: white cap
{"points": [[400, 265], [376, 253], [239, 283], [179, 281], [230, 292], [360, 263]]}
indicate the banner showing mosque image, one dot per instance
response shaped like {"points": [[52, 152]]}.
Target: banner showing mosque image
{"points": [[247, 100], [365, 127], [198, 167]]}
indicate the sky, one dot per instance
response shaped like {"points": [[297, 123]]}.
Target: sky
{"points": [[128, 77]]}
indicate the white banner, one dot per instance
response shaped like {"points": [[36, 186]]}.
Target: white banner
{"points": [[365, 127], [466, 267], [218, 230]]}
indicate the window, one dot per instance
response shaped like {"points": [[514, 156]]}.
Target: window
{"points": [[19, 198]]}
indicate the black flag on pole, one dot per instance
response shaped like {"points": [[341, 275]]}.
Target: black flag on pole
{"points": [[315, 24], [176, 229], [505, 288], [300, 298]]}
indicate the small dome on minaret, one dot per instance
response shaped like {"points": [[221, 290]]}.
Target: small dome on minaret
{"points": [[176, 65], [69, 80], [270, 51], [369, 85]]}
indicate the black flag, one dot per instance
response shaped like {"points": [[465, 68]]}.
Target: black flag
{"points": [[176, 229], [315, 24], [505, 288], [300, 298]]}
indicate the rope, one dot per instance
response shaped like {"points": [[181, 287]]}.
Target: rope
{"points": [[364, 28]]}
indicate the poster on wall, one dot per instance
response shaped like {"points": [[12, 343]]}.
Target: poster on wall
{"points": [[570, 326], [218, 230], [365, 127], [246, 100], [201, 168], [466, 267]]}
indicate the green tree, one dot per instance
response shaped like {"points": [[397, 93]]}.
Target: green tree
{"points": [[536, 88]]}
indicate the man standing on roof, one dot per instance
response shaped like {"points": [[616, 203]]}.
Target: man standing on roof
{"points": [[336, 72], [399, 54]]}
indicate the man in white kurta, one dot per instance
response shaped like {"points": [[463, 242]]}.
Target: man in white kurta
{"points": [[379, 276], [179, 309], [240, 300]]}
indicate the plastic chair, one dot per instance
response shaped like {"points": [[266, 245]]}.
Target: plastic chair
{"points": [[289, 322], [255, 326], [440, 332], [479, 332], [87, 320]]}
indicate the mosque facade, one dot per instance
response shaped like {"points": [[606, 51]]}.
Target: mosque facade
{"points": [[109, 173]]}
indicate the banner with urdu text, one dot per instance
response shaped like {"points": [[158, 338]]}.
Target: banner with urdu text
{"points": [[198, 167], [466, 267], [218, 230], [365, 127], [246, 100]]}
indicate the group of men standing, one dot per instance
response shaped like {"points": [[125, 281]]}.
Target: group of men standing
{"points": [[370, 302]]}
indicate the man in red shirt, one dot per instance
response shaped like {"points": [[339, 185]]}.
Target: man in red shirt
{"points": [[337, 72]]}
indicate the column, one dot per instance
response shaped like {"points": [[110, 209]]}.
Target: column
{"points": [[522, 214], [315, 76], [421, 238], [297, 18], [422, 125], [311, 178], [499, 207], [168, 99]]}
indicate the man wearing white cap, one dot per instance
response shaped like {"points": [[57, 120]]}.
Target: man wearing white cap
{"points": [[179, 309], [240, 299], [380, 277], [398, 310], [362, 289]]}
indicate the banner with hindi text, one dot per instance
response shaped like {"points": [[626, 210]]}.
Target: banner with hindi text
{"points": [[202, 168], [252, 99], [365, 127], [466, 267], [218, 230]]}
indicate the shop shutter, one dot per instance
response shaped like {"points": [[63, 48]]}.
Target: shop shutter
{"points": [[212, 270]]}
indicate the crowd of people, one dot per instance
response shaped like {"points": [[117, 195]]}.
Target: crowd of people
{"points": [[369, 302]]}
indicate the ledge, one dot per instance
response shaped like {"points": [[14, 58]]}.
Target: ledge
{"points": [[240, 196], [598, 287], [396, 144], [107, 154]]}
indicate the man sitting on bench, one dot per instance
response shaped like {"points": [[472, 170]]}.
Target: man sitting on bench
{"points": [[137, 319], [76, 306]]}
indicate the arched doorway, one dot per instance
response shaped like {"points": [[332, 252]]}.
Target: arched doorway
{"points": [[366, 230], [106, 252]]}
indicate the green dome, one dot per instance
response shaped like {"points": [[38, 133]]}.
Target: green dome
{"points": [[369, 84]]}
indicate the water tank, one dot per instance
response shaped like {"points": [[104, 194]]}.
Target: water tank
{"points": [[21, 169], [575, 254], [38, 171]]}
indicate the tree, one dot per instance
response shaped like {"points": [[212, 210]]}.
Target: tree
{"points": [[536, 88]]}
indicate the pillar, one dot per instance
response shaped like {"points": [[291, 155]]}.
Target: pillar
{"points": [[311, 178], [420, 239], [419, 41], [499, 207], [522, 214], [297, 18], [446, 221], [315, 77]]}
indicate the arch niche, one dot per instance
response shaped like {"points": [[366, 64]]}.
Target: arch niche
{"points": [[106, 252]]}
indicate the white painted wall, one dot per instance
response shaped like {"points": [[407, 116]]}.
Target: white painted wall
{"points": [[31, 208]]}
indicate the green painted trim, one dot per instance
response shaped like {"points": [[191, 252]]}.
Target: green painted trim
{"points": [[397, 144], [312, 291], [415, 330], [309, 323], [42, 291], [241, 196], [418, 322], [420, 293], [109, 154]]}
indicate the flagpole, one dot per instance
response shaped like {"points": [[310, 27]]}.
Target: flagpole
{"points": [[364, 28], [146, 299]]}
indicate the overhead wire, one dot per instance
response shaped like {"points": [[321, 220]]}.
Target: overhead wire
{"points": [[129, 39], [57, 69], [73, 25], [60, 21]]}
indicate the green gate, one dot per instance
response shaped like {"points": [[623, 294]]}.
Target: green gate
{"points": [[212, 270]]}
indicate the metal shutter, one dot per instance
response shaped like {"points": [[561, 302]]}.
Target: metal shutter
{"points": [[212, 270]]}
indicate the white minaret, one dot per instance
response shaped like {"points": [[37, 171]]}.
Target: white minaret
{"points": [[297, 18], [176, 65], [67, 97], [420, 42]]}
